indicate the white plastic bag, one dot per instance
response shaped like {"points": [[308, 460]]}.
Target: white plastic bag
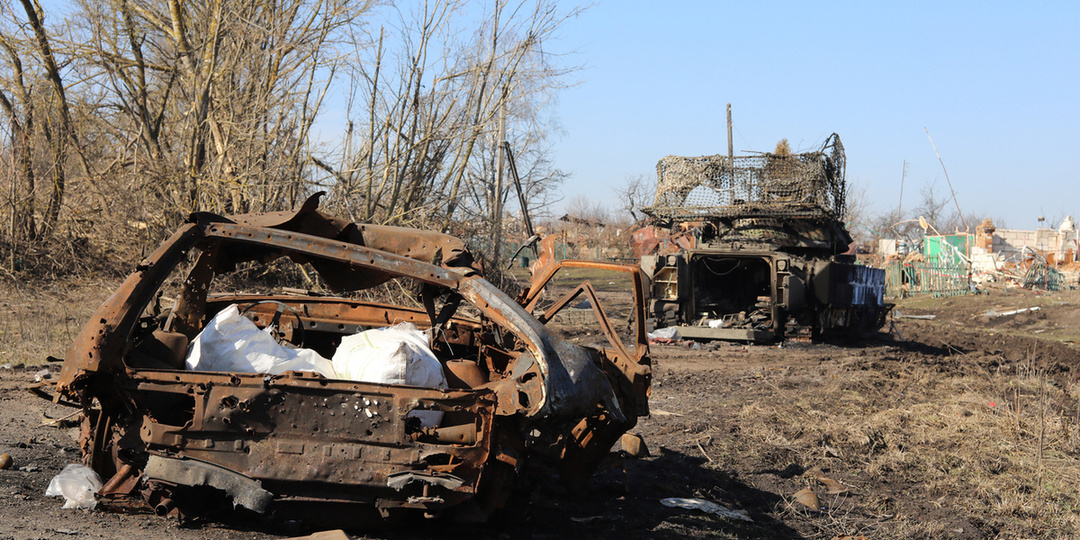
{"points": [[394, 355], [706, 506], [232, 343], [77, 483], [669, 332]]}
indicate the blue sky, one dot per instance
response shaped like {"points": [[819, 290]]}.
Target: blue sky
{"points": [[995, 83]]}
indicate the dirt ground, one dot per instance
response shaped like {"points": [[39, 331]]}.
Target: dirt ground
{"points": [[964, 425]]}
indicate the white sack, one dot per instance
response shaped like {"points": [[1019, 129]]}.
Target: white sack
{"points": [[395, 355], [706, 506], [232, 343], [77, 483], [669, 332]]}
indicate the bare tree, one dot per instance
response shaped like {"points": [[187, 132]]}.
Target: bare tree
{"points": [[40, 119], [20, 113], [890, 224], [131, 113], [217, 98], [933, 207], [424, 148], [582, 209], [635, 194], [856, 216]]}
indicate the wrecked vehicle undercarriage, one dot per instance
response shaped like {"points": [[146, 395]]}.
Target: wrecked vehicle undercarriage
{"points": [[333, 451], [754, 248]]}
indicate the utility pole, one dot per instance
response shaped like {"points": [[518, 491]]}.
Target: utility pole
{"points": [[730, 159], [730, 145], [496, 203]]}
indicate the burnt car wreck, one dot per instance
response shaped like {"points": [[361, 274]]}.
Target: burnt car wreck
{"points": [[335, 451], [754, 248]]}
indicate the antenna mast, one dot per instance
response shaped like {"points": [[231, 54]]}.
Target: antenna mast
{"points": [[900, 205], [951, 190]]}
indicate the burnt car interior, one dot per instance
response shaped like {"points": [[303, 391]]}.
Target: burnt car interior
{"points": [[313, 320], [725, 286], [332, 450]]}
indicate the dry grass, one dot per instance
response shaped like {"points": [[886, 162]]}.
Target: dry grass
{"points": [[42, 321], [1000, 450]]}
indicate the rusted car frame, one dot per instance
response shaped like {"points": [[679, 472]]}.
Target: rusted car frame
{"points": [[335, 451], [631, 369]]}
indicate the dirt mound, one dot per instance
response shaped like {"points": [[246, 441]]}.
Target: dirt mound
{"points": [[957, 349]]}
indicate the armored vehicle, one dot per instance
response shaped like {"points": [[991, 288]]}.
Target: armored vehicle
{"points": [[754, 248]]}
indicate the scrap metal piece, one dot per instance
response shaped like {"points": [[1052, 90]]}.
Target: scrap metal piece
{"points": [[242, 490], [398, 481]]}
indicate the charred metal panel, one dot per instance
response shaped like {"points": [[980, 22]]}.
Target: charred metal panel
{"points": [[633, 367], [571, 384], [296, 429], [794, 292], [426, 246]]}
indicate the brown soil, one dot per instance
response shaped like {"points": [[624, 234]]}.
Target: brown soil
{"points": [[961, 426]]}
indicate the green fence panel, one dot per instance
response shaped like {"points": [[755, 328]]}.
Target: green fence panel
{"points": [[922, 278]]}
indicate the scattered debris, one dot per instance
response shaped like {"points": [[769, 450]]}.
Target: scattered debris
{"points": [[832, 487], [808, 498], [898, 315], [994, 314], [676, 342], [589, 519], [634, 445], [657, 412], [77, 483], [5, 461], [832, 452], [42, 375], [707, 507], [669, 333], [70, 420], [337, 534]]}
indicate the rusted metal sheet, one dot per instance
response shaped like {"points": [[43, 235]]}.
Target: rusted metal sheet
{"points": [[307, 427], [300, 444]]}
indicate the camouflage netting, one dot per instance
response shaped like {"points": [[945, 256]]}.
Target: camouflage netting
{"points": [[796, 185]]}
